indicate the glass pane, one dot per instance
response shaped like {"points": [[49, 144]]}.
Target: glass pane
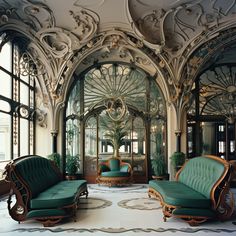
{"points": [[5, 82], [24, 94], [190, 140], [5, 57], [232, 145], [91, 147], [208, 137], [138, 144], [5, 106], [73, 140], [119, 80], [5, 136], [157, 137], [72, 137], [24, 137], [73, 106], [25, 78]]}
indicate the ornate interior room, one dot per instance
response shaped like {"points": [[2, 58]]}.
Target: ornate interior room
{"points": [[87, 81]]}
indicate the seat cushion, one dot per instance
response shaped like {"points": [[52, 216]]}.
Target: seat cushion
{"points": [[115, 174], [178, 194], [62, 194], [46, 213]]}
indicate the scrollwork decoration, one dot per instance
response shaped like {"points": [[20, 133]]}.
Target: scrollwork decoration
{"points": [[58, 42], [41, 117], [86, 23], [28, 66]]}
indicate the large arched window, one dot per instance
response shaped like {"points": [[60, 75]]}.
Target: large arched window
{"points": [[115, 110], [212, 116], [16, 104]]}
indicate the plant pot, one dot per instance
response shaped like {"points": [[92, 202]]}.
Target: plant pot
{"points": [[71, 177], [162, 177]]}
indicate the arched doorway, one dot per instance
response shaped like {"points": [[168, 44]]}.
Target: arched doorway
{"points": [[115, 109]]}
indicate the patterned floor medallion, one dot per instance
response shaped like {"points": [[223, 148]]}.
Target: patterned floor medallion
{"points": [[93, 203], [140, 204]]}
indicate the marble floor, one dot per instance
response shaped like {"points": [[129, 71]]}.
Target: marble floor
{"points": [[125, 211]]}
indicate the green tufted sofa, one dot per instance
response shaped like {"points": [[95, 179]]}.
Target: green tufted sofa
{"points": [[114, 172], [199, 192], [40, 192]]}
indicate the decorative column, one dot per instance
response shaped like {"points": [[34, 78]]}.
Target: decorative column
{"points": [[178, 140], [54, 134]]}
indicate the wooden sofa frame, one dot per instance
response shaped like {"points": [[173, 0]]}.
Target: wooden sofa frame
{"points": [[222, 198], [20, 196]]}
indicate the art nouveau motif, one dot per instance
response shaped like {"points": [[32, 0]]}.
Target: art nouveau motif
{"points": [[218, 91], [172, 25]]}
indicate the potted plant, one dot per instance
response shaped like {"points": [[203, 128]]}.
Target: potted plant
{"points": [[159, 167], [56, 157], [72, 165], [115, 132], [177, 160]]}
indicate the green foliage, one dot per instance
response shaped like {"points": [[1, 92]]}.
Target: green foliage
{"points": [[177, 159], [72, 164], [56, 157], [115, 131], [158, 165]]}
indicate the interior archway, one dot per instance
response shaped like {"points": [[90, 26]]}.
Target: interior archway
{"points": [[115, 109]]}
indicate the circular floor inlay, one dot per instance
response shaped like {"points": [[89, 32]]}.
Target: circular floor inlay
{"points": [[93, 203], [140, 204], [102, 188]]}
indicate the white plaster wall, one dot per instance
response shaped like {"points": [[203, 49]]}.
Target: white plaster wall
{"points": [[43, 141]]}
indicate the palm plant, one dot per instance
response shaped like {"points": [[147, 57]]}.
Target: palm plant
{"points": [[115, 132]]}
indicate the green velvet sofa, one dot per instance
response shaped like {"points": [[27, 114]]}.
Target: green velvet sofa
{"points": [[114, 172], [199, 192], [39, 192]]}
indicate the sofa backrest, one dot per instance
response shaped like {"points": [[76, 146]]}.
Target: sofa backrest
{"points": [[37, 172], [202, 173], [114, 164]]}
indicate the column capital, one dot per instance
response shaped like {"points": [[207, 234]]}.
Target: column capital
{"points": [[54, 132], [178, 132]]}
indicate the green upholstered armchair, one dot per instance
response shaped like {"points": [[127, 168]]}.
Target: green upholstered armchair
{"points": [[114, 172]]}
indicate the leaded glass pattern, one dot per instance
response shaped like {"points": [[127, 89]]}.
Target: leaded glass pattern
{"points": [[17, 125], [112, 101], [115, 81]]}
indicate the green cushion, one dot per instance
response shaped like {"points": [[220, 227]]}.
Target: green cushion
{"points": [[178, 194], [59, 195], [45, 213], [194, 212], [201, 173], [114, 164], [38, 173], [124, 168], [104, 168], [115, 174]]}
